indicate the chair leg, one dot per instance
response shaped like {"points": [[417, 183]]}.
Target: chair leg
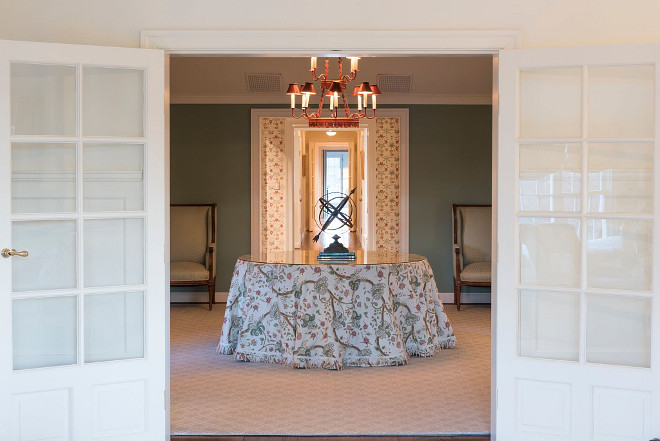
{"points": [[457, 294], [211, 294]]}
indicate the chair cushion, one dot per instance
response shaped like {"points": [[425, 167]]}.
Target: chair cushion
{"points": [[189, 233], [475, 233], [188, 272], [476, 272]]}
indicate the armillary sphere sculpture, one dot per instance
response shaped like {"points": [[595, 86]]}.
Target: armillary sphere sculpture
{"points": [[335, 212]]}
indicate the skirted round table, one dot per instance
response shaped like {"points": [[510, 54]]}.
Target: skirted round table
{"points": [[288, 308]]}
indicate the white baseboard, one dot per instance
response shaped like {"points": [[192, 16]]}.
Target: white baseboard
{"points": [[466, 297], [221, 297], [196, 297]]}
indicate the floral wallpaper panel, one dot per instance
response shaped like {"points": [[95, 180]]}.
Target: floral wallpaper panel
{"points": [[388, 231], [274, 188], [273, 183]]}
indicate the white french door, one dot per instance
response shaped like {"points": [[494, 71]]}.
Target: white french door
{"points": [[578, 313], [82, 191]]}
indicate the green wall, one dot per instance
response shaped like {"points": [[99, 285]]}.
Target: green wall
{"points": [[210, 162], [450, 162]]}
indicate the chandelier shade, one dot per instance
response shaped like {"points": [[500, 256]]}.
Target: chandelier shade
{"points": [[336, 87], [331, 90], [309, 89], [365, 88], [293, 89]]}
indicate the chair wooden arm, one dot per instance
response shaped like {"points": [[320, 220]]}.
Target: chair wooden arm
{"points": [[457, 252]]}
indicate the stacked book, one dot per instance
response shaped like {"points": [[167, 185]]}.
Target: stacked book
{"points": [[335, 257]]}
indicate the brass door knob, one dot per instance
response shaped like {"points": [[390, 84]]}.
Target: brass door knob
{"points": [[6, 252]]}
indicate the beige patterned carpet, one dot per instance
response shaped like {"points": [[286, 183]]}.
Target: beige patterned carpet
{"points": [[215, 394]]}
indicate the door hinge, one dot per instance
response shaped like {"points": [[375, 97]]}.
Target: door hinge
{"points": [[497, 398]]}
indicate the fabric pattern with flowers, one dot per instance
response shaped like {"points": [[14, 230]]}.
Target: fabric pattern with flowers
{"points": [[332, 316], [388, 146], [273, 182]]}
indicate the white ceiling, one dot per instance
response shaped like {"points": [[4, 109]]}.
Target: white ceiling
{"points": [[435, 80]]}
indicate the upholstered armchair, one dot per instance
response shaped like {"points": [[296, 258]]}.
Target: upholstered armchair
{"points": [[192, 246], [472, 247]]}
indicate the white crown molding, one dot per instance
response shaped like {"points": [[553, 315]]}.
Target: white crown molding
{"points": [[330, 42], [472, 99]]}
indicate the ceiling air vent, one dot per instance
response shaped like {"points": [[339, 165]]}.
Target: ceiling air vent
{"points": [[263, 83], [395, 83]]}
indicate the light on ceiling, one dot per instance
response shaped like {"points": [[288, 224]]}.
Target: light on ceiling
{"points": [[331, 133], [332, 89]]}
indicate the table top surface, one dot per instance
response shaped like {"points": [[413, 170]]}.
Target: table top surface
{"points": [[309, 257]]}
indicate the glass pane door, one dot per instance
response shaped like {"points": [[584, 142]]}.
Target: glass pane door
{"points": [[78, 210], [82, 234], [578, 216]]}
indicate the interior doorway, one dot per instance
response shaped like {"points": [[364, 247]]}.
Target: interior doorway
{"points": [[330, 170], [433, 374]]}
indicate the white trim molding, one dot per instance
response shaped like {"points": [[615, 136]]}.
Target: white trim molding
{"points": [[466, 298], [198, 297], [330, 42], [255, 167]]}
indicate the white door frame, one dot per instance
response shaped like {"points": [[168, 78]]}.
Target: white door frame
{"points": [[318, 148], [363, 43], [292, 126]]}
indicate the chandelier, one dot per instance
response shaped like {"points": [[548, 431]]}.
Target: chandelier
{"points": [[331, 89]]}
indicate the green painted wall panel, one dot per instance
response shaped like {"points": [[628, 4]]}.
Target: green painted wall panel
{"points": [[450, 162]]}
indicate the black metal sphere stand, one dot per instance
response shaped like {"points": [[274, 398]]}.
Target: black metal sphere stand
{"points": [[335, 251], [336, 246]]}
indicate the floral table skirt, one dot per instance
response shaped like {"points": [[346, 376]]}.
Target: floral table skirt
{"points": [[333, 316]]}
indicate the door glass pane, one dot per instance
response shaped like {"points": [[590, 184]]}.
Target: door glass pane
{"points": [[619, 254], [114, 252], [51, 262], [44, 332], [621, 101], [114, 326], [113, 178], [43, 99], [113, 102], [551, 103], [549, 325], [619, 330], [43, 178], [621, 178], [550, 251], [335, 177], [550, 177]]}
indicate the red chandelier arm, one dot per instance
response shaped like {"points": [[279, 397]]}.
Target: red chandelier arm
{"points": [[373, 114], [303, 114], [323, 76], [349, 78], [318, 77]]}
